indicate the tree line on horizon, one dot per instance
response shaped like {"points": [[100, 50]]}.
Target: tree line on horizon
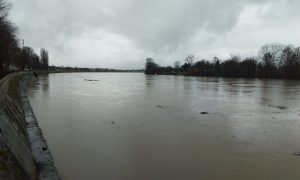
{"points": [[83, 69], [273, 61], [12, 55]]}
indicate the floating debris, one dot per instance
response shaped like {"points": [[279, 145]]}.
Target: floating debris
{"points": [[247, 91], [160, 106], [297, 154], [278, 107], [91, 80], [204, 113]]}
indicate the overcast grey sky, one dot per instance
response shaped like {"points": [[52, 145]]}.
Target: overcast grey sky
{"points": [[122, 33]]}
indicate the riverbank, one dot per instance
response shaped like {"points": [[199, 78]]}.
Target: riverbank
{"points": [[227, 77], [24, 153]]}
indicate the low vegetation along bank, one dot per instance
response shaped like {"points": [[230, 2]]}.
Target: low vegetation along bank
{"points": [[273, 61], [24, 153]]}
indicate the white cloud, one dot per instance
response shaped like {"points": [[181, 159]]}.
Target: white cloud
{"points": [[122, 33]]}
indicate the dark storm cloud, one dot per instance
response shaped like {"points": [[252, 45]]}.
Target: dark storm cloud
{"points": [[122, 33]]}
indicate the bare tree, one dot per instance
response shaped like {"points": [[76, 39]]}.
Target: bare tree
{"points": [[4, 8], [274, 50], [8, 40], [44, 58], [189, 60], [150, 66], [177, 66], [289, 63]]}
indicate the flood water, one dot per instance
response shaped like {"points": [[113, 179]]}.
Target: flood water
{"points": [[129, 126]]}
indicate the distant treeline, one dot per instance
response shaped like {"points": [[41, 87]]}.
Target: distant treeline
{"points": [[12, 56], [273, 61], [77, 69]]}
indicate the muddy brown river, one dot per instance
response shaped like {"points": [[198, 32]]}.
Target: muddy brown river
{"points": [[130, 126]]}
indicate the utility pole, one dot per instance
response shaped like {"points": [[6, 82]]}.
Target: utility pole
{"points": [[23, 43]]}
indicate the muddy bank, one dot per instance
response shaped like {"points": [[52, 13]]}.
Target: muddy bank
{"points": [[24, 153]]}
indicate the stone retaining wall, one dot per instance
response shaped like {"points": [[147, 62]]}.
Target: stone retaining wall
{"points": [[24, 153]]}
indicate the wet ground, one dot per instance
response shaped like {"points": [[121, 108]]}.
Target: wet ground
{"points": [[133, 126]]}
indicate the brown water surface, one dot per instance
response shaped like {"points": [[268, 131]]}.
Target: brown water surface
{"points": [[129, 126]]}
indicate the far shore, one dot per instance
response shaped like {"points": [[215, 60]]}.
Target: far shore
{"points": [[44, 72]]}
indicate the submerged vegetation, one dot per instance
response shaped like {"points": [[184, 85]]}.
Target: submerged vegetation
{"points": [[273, 61]]}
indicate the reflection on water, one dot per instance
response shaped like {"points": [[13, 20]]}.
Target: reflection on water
{"points": [[132, 126]]}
